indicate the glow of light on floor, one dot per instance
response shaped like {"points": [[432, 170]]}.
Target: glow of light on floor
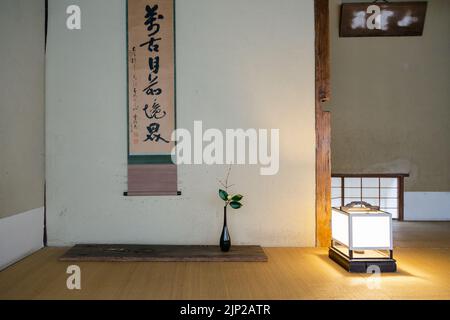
{"points": [[406, 275]]}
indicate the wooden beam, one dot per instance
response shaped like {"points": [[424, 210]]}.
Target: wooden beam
{"points": [[323, 71], [323, 124], [369, 175]]}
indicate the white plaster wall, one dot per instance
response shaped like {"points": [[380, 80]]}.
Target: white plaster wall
{"points": [[390, 102], [22, 39], [240, 64], [427, 206]]}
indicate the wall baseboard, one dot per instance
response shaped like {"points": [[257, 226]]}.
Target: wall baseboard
{"points": [[427, 206], [20, 236]]}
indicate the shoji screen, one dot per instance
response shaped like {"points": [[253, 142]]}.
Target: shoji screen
{"points": [[383, 191]]}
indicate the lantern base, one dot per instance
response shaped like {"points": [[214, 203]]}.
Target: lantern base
{"points": [[361, 265]]}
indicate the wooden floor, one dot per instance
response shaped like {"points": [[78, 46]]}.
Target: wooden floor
{"points": [[291, 273]]}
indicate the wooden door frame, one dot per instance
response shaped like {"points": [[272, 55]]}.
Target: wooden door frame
{"points": [[323, 123]]}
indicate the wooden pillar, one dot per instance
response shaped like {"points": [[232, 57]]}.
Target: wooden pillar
{"points": [[323, 124]]}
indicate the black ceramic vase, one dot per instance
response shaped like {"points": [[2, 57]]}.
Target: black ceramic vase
{"points": [[225, 240]]}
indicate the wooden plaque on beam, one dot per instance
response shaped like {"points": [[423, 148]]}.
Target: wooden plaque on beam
{"points": [[383, 19]]}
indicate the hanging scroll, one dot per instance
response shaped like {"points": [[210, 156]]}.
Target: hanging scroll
{"points": [[383, 19], [151, 97]]}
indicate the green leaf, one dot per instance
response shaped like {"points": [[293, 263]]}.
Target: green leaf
{"points": [[223, 195], [237, 197], [235, 205]]}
